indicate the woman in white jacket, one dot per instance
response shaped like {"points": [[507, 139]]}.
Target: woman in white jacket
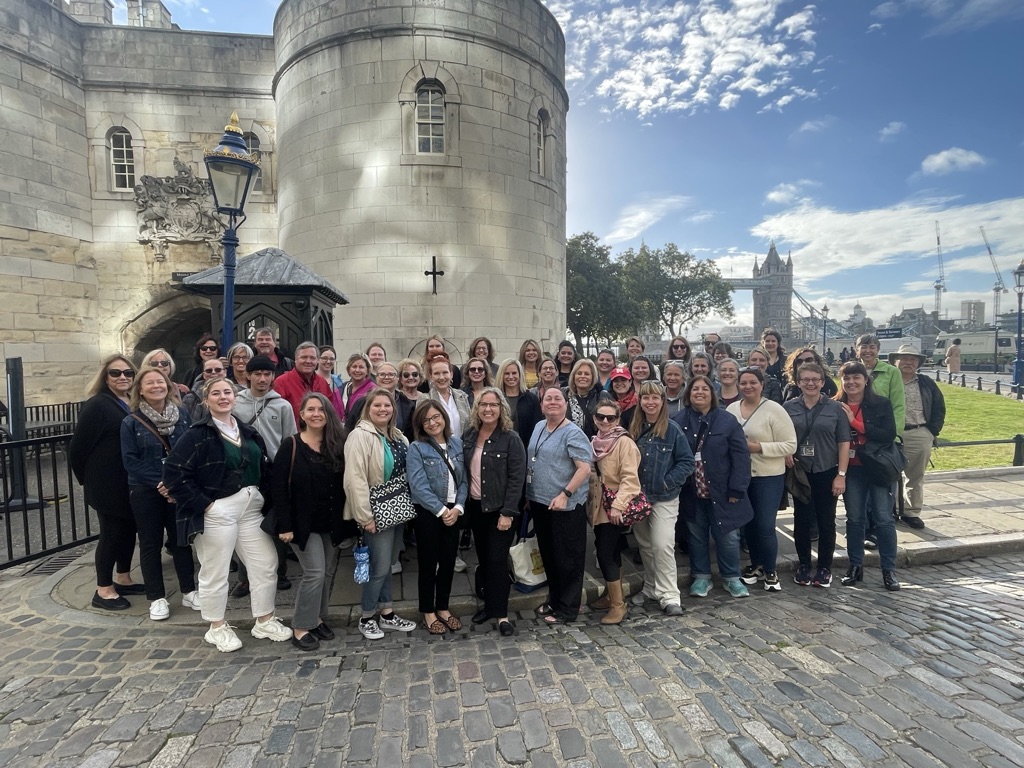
{"points": [[771, 437]]}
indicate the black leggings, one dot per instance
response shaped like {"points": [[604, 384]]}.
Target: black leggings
{"points": [[116, 545], [492, 548], [823, 509], [562, 539], [608, 541], [154, 517], [437, 545]]}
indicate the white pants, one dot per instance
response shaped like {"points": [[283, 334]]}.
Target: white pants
{"points": [[917, 445], [232, 524], [657, 539]]}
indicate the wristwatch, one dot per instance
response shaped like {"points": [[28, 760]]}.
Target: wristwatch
{"points": [[842, 473], [567, 492]]}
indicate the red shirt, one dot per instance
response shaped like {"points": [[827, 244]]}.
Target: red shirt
{"points": [[293, 387]]}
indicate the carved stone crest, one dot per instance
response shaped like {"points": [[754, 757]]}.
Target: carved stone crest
{"points": [[177, 209]]}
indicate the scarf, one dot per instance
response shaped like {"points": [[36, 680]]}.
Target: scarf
{"points": [[628, 401], [164, 422], [603, 445]]}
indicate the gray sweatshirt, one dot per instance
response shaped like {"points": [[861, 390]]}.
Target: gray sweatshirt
{"points": [[271, 416]]}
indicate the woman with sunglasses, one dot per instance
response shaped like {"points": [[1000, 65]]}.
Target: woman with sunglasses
{"points": [[96, 459], [438, 485], [194, 402], [770, 439], [678, 349], [477, 375], [758, 358], [616, 461], [206, 349], [805, 356], [407, 395], [161, 358]]}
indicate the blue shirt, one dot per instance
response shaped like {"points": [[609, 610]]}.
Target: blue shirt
{"points": [[551, 462]]}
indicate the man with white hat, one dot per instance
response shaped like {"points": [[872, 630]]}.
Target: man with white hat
{"points": [[925, 413]]}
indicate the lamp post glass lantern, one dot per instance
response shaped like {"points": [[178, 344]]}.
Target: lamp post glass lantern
{"points": [[1018, 365], [231, 169]]}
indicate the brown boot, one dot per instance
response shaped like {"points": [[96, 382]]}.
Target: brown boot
{"points": [[616, 604], [602, 603]]}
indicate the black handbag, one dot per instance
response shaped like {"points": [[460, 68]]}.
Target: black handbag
{"points": [[882, 462], [391, 503]]}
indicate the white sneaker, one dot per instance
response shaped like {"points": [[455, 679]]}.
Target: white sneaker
{"points": [[224, 638], [460, 565], [191, 600], [347, 543], [370, 629], [271, 629], [396, 623], [396, 567], [159, 609]]}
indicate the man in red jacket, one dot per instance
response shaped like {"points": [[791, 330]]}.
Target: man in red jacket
{"points": [[302, 379]]}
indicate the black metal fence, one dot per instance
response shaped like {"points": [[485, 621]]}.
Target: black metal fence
{"points": [[979, 383], [43, 508]]}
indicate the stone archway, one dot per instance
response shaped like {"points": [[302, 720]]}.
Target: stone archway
{"points": [[174, 323]]}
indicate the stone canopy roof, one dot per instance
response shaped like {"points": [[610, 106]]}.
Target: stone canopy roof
{"points": [[267, 268]]}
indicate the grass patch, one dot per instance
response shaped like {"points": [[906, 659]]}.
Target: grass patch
{"points": [[973, 415]]}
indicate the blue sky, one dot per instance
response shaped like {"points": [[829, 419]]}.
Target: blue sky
{"points": [[843, 129]]}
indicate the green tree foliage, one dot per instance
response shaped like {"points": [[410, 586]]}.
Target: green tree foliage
{"points": [[596, 305]]}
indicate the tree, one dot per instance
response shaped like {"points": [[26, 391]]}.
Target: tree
{"points": [[670, 289], [595, 303]]}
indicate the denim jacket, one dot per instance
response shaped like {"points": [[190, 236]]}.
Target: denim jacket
{"points": [[429, 475], [665, 463], [143, 454]]}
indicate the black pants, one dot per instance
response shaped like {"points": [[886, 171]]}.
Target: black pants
{"points": [[608, 540], [821, 509], [154, 517], [116, 545], [562, 540], [437, 545], [492, 548]]}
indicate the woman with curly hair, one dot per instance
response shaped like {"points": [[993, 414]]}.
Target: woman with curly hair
{"points": [[804, 356]]}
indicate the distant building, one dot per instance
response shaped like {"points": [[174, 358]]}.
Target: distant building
{"points": [[972, 313], [773, 304]]}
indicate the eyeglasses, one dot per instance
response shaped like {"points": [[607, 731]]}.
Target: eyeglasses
{"points": [[209, 348], [242, 358], [410, 375], [116, 373], [815, 380], [605, 417], [476, 370], [435, 419], [214, 370], [489, 405], [386, 374], [161, 363]]}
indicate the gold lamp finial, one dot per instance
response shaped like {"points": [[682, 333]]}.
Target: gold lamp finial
{"points": [[233, 126]]}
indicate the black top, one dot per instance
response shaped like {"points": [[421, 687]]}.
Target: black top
{"points": [[95, 454], [314, 500]]}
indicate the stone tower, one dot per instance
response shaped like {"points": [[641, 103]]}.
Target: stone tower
{"points": [[773, 303], [426, 136]]}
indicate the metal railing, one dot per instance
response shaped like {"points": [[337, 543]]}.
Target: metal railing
{"points": [[1017, 441], [44, 420], [42, 507], [976, 382]]}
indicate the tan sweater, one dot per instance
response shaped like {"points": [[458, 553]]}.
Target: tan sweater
{"points": [[772, 427], [619, 472], [364, 468]]}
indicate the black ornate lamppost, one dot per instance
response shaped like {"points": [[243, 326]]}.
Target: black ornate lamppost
{"points": [[824, 330], [232, 169], [1018, 365]]}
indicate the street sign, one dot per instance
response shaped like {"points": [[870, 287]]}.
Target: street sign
{"points": [[889, 333]]}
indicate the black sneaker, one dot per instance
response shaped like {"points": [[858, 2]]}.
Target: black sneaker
{"points": [[752, 574], [241, 589], [803, 576], [823, 578], [283, 583], [913, 522]]}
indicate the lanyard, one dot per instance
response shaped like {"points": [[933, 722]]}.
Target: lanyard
{"points": [[815, 412], [540, 442]]}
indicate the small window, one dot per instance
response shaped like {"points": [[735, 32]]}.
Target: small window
{"points": [[122, 159], [252, 143], [539, 138], [430, 120]]}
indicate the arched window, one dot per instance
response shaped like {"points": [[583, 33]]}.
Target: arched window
{"points": [[430, 132], [540, 130], [122, 159], [252, 143]]}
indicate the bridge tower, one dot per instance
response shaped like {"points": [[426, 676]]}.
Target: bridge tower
{"points": [[773, 302]]}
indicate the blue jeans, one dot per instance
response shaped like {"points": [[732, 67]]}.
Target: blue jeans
{"points": [[377, 591], [702, 529], [866, 502], [764, 493]]}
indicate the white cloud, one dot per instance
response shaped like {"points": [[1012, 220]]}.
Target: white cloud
{"points": [[658, 56], [788, 193], [891, 131], [950, 160], [814, 126], [635, 219]]}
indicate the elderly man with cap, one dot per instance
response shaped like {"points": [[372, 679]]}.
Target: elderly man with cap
{"points": [[925, 413]]}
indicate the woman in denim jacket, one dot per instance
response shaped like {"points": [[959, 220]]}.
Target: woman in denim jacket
{"points": [[714, 501], [665, 462], [147, 436], [438, 484]]}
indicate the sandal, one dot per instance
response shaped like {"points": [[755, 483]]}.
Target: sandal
{"points": [[545, 609], [552, 619], [436, 627], [452, 622]]}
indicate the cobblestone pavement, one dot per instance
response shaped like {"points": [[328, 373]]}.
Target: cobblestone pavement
{"points": [[932, 675]]}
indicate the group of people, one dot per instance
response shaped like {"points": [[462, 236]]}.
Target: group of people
{"points": [[254, 454]]}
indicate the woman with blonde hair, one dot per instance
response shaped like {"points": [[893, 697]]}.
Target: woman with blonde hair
{"points": [[522, 403], [161, 358], [96, 459], [530, 358], [239, 356], [407, 395], [360, 382], [583, 394]]}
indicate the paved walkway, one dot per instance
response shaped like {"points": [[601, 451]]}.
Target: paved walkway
{"points": [[968, 514]]}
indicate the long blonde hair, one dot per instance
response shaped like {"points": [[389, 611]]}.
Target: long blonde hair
{"points": [[636, 426], [505, 423], [135, 397], [364, 415], [98, 382]]}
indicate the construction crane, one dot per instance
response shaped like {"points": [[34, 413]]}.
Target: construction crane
{"points": [[940, 284], [999, 288]]}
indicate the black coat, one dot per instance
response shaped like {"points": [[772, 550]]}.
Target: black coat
{"points": [[502, 471], [879, 421], [300, 488], [526, 415], [933, 404], [95, 454]]}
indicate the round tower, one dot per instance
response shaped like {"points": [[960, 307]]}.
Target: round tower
{"points": [[421, 138]]}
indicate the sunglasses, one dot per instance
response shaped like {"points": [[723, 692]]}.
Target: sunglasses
{"points": [[678, 346], [116, 373], [476, 370], [209, 349], [214, 370], [605, 417], [161, 363], [805, 360], [410, 375]]}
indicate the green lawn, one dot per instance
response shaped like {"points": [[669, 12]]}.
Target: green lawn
{"points": [[973, 415]]}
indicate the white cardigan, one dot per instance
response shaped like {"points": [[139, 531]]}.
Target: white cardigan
{"points": [[772, 427]]}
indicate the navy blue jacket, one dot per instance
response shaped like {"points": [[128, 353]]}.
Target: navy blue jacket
{"points": [[143, 454], [727, 465], [665, 463]]}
